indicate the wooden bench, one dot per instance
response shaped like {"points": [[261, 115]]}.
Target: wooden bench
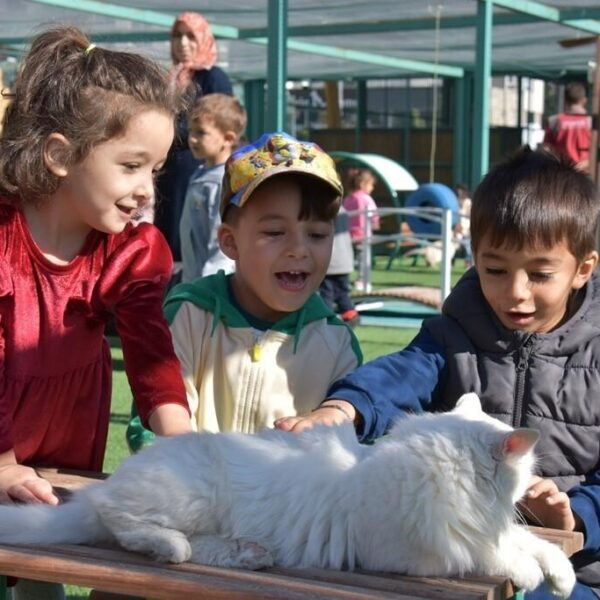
{"points": [[123, 572]]}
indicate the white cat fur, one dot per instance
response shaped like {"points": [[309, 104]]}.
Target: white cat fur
{"points": [[435, 497]]}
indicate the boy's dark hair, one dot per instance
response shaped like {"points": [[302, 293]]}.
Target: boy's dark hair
{"points": [[88, 94], [536, 198], [575, 92], [226, 113], [318, 200]]}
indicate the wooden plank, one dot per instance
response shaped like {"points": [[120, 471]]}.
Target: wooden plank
{"points": [[570, 541], [70, 478], [121, 572], [419, 587], [483, 588], [124, 572]]}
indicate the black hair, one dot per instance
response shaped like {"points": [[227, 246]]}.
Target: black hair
{"points": [[536, 198]]}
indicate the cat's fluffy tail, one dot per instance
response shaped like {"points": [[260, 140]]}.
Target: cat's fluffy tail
{"points": [[75, 522]]}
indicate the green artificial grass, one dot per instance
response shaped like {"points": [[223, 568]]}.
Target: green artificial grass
{"points": [[403, 272]]}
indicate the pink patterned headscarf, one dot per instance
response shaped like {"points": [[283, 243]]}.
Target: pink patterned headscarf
{"points": [[206, 56]]}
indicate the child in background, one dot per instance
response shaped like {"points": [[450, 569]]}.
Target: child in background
{"points": [[570, 131], [83, 138], [520, 330], [194, 73], [361, 183], [258, 344], [462, 230], [335, 288], [215, 126]]}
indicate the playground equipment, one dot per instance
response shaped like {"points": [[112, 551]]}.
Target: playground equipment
{"points": [[441, 217], [392, 175], [431, 195], [430, 210]]}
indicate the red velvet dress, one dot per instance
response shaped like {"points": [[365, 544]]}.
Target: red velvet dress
{"points": [[55, 385]]}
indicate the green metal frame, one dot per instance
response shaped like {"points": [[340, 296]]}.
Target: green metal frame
{"points": [[275, 36], [578, 18], [481, 103], [254, 101], [276, 65], [459, 132], [361, 112], [227, 32]]}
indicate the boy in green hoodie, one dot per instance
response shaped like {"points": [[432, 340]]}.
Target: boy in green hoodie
{"points": [[260, 344]]}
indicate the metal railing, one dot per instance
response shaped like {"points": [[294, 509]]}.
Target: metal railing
{"points": [[443, 216]]}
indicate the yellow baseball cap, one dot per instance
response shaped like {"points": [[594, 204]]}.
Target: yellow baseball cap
{"points": [[274, 154]]}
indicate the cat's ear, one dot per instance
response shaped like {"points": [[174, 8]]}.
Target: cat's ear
{"points": [[516, 443], [468, 404]]}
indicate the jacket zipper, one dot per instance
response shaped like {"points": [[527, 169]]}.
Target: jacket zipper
{"points": [[521, 368], [247, 404], [257, 345]]}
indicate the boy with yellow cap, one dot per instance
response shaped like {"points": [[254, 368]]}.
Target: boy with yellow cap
{"points": [[260, 344]]}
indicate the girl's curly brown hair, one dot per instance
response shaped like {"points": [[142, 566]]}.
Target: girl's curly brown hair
{"points": [[86, 94]]}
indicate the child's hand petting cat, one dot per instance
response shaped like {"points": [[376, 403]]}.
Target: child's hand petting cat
{"points": [[330, 412], [23, 484], [549, 506]]}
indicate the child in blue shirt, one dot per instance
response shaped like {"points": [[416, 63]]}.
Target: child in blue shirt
{"points": [[216, 124], [522, 330]]}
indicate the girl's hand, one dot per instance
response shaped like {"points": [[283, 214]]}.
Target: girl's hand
{"points": [[331, 412], [548, 505], [23, 484]]}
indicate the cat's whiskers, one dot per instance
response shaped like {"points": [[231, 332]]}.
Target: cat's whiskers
{"points": [[526, 515], [519, 516], [540, 455]]}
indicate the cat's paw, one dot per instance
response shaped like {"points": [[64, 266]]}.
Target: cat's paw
{"points": [[526, 573], [164, 545], [249, 555], [174, 549], [558, 571], [562, 583]]}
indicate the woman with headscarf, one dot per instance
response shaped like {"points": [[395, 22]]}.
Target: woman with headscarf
{"points": [[194, 53]]}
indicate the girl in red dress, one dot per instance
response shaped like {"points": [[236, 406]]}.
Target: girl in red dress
{"points": [[85, 134]]}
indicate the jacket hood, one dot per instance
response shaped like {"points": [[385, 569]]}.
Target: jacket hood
{"points": [[212, 295]]}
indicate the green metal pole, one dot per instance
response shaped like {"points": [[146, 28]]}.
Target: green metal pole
{"points": [[481, 109], [459, 132], [276, 64], [361, 112], [407, 128], [254, 100], [467, 110]]}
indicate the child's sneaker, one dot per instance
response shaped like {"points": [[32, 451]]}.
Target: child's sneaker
{"points": [[351, 317]]}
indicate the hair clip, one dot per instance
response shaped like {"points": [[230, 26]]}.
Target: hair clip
{"points": [[89, 49]]}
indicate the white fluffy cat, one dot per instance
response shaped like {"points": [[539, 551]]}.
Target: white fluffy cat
{"points": [[435, 497]]}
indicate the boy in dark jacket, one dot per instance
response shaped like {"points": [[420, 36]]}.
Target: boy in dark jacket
{"points": [[522, 330]]}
